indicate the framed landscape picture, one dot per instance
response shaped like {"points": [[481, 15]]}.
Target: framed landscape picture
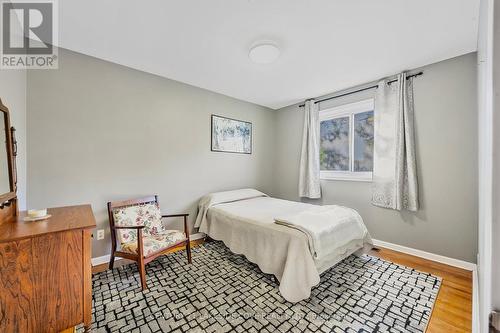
{"points": [[231, 135]]}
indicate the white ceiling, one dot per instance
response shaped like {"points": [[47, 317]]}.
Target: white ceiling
{"points": [[327, 45]]}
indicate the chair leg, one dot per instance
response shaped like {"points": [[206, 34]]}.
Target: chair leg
{"points": [[142, 273], [112, 260], [188, 250]]}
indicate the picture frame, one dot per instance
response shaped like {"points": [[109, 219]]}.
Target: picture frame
{"points": [[229, 135]]}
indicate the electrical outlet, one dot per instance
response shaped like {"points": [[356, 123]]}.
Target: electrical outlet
{"points": [[100, 234]]}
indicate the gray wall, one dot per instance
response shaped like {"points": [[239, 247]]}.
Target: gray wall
{"points": [[13, 95], [446, 139], [99, 131]]}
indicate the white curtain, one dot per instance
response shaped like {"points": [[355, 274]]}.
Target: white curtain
{"points": [[309, 184], [394, 166]]}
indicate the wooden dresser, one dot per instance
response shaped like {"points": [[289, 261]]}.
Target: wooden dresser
{"points": [[45, 271]]}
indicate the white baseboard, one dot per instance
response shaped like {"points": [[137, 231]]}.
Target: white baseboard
{"points": [[408, 250], [427, 255], [105, 259], [100, 260]]}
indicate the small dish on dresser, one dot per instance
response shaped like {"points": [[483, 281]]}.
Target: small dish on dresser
{"points": [[37, 214], [36, 218]]}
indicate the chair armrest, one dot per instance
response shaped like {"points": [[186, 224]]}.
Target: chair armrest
{"points": [[186, 230], [176, 215], [137, 227]]}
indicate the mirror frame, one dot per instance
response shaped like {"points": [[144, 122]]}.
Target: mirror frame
{"points": [[7, 198]]}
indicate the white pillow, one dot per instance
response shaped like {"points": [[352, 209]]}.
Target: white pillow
{"points": [[216, 198], [230, 196]]}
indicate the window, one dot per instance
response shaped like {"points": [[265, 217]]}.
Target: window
{"points": [[346, 141]]}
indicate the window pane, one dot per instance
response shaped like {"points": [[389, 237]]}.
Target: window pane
{"points": [[334, 144], [363, 141]]}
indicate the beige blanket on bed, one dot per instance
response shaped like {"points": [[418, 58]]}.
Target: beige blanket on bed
{"points": [[326, 227]]}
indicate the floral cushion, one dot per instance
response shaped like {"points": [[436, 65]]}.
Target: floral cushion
{"points": [[147, 214], [153, 244]]}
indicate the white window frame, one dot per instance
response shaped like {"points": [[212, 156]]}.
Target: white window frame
{"points": [[347, 110]]}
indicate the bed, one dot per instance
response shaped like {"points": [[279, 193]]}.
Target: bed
{"points": [[247, 222]]}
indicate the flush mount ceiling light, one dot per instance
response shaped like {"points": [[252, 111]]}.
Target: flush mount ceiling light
{"points": [[264, 53]]}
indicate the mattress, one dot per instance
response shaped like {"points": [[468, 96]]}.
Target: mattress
{"points": [[246, 226]]}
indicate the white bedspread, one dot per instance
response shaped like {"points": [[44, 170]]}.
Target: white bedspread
{"points": [[326, 227], [244, 221]]}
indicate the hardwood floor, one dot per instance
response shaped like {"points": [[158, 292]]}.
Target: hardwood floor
{"points": [[453, 307]]}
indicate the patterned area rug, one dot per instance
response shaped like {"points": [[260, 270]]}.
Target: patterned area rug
{"points": [[224, 292]]}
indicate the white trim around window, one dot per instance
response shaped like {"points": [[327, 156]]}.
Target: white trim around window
{"points": [[347, 110], [346, 175]]}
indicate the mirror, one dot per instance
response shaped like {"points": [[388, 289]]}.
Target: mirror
{"points": [[4, 157], [8, 197]]}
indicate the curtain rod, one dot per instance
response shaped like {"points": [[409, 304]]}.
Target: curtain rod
{"points": [[360, 90]]}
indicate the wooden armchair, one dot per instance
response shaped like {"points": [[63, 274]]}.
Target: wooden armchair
{"points": [[137, 225]]}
